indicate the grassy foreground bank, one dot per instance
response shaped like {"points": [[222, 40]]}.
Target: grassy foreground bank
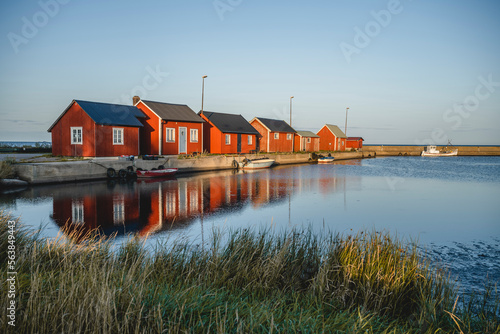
{"points": [[257, 282]]}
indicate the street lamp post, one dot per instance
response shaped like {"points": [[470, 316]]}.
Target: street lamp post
{"points": [[202, 91], [291, 97], [345, 128]]}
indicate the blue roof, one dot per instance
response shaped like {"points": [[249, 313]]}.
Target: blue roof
{"points": [[112, 114]]}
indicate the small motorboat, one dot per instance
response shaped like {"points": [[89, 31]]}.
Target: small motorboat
{"points": [[432, 151], [326, 160], [255, 163], [156, 173]]}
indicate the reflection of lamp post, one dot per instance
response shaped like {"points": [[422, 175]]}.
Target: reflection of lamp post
{"points": [[291, 97], [202, 91], [345, 129]]}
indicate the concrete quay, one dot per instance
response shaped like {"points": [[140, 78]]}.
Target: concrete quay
{"points": [[92, 169]]}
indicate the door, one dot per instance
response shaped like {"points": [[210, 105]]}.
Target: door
{"points": [[238, 145], [182, 140]]}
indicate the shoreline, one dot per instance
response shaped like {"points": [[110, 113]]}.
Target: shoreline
{"points": [[46, 172]]}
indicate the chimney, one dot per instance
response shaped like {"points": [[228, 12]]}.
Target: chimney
{"points": [[135, 100]]}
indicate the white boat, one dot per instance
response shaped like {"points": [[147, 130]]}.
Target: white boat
{"points": [[325, 160], [255, 163], [432, 151]]}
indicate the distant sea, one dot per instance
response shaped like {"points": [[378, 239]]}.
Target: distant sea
{"points": [[25, 143]]}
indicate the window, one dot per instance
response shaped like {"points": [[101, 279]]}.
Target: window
{"points": [[76, 135], [228, 139], [117, 136], [170, 135], [276, 136], [289, 136], [194, 136], [308, 140], [249, 140], [77, 212]]}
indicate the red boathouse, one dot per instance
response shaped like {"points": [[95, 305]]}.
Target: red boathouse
{"points": [[228, 133], [93, 129], [306, 141], [331, 138], [169, 128], [354, 142], [276, 135]]}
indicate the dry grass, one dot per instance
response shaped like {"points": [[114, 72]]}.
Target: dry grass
{"points": [[6, 170], [253, 282]]}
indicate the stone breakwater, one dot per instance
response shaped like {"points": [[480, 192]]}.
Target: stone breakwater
{"points": [[382, 150]]}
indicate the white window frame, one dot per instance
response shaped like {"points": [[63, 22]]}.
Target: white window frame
{"points": [[276, 135], [118, 136], [73, 129], [193, 135], [171, 138], [250, 140], [77, 212], [228, 139], [288, 136]]}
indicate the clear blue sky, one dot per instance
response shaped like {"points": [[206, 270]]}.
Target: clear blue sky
{"points": [[411, 72]]}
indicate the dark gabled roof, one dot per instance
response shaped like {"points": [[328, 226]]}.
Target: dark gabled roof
{"points": [[355, 138], [107, 113], [173, 112], [275, 125], [307, 134], [230, 123]]}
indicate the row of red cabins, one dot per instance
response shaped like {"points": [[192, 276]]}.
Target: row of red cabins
{"points": [[93, 129]]}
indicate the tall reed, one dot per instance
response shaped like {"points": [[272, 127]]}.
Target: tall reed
{"points": [[242, 282]]}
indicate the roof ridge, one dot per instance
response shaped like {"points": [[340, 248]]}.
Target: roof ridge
{"points": [[114, 104], [175, 104], [221, 113]]}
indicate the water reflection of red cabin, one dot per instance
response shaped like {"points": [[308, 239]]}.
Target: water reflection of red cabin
{"points": [[150, 206], [101, 209]]}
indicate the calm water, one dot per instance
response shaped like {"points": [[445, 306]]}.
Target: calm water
{"points": [[451, 205]]}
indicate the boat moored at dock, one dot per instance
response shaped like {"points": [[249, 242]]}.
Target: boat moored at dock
{"points": [[167, 172], [326, 160], [258, 163], [432, 151]]}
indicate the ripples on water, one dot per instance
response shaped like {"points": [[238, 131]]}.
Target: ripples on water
{"points": [[450, 204]]}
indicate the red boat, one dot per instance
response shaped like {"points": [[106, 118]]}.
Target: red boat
{"points": [[156, 173]]}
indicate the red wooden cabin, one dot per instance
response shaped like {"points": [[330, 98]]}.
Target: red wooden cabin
{"points": [[331, 138], [228, 133], [354, 142], [306, 141], [169, 128], [276, 135], [92, 129]]}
